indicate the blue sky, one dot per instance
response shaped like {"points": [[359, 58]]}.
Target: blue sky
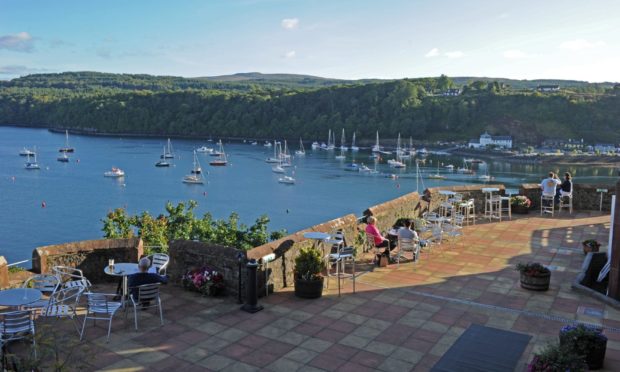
{"points": [[352, 39]]}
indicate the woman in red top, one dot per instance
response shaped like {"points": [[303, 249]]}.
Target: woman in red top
{"points": [[371, 229]]}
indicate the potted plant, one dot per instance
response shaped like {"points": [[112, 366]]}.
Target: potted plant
{"points": [[520, 204], [556, 358], [204, 280], [589, 342], [590, 245], [534, 276], [308, 278]]}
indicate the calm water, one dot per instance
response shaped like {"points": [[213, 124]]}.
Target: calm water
{"points": [[77, 196]]}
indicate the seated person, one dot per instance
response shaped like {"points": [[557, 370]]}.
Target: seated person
{"points": [[407, 232], [565, 188], [372, 230], [143, 277], [549, 184]]}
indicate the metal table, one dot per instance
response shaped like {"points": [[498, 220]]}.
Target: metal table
{"points": [[122, 269], [17, 297]]}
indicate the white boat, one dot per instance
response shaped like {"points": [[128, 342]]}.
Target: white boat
{"points": [[437, 176], [63, 158], [376, 147], [343, 146], [450, 167], [193, 179], [267, 144], [204, 149], [315, 145], [168, 154], [398, 162], [32, 164], [366, 170], [254, 143], [287, 180], [352, 167], [353, 147], [323, 146], [196, 169], [422, 152], [464, 170], [486, 178], [163, 162], [276, 154], [331, 141], [301, 151], [222, 160], [114, 172], [285, 153], [26, 152], [67, 148]]}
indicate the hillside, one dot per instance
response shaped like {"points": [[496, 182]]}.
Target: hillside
{"points": [[143, 104]]}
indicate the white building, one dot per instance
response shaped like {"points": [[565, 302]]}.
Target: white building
{"points": [[487, 140], [548, 88]]}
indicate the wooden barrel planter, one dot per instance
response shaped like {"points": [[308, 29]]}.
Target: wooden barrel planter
{"points": [[309, 288], [536, 283]]}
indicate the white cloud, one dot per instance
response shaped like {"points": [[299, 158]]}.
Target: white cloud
{"points": [[515, 54], [454, 54], [580, 44], [290, 23], [20, 42], [19, 70], [432, 53], [290, 54]]}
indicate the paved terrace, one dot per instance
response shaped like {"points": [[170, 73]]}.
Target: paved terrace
{"points": [[401, 318]]}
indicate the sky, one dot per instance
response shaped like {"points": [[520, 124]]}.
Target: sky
{"points": [[347, 39]]}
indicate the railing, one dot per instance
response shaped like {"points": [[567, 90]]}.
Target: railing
{"points": [[17, 263]]}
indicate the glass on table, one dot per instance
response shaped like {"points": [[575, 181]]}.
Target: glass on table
{"points": [[111, 264]]}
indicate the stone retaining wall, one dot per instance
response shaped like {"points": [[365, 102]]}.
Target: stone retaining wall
{"points": [[187, 254], [4, 273], [585, 196], [406, 206], [90, 256]]}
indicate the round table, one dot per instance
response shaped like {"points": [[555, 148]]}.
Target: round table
{"points": [[122, 269], [316, 235], [447, 192], [19, 296]]}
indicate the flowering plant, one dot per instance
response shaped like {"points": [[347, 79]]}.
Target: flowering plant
{"points": [[556, 358], [582, 339], [204, 280], [532, 269], [521, 201]]}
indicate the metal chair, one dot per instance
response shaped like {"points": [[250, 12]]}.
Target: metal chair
{"points": [[146, 296], [160, 262], [17, 325], [408, 245], [63, 304], [46, 283], [339, 259], [99, 307], [452, 231], [70, 277]]}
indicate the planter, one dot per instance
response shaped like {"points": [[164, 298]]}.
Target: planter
{"points": [[535, 283], [595, 356], [519, 209], [590, 248], [309, 288]]}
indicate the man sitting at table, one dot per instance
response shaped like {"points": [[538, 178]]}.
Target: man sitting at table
{"points": [[379, 240], [406, 232], [143, 277]]}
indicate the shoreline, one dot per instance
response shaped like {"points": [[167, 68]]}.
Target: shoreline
{"points": [[579, 160]]}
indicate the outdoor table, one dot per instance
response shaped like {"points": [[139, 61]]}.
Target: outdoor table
{"points": [[511, 192], [122, 269], [438, 220], [317, 236], [17, 297]]}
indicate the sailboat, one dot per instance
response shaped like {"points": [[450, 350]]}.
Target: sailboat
{"points": [[32, 164], [315, 145], [67, 148], [343, 148], [330, 141], [26, 152], [276, 154], [278, 167], [168, 154], [437, 176], [63, 158], [376, 147], [465, 170], [204, 149], [286, 180], [301, 151], [163, 162], [285, 156], [221, 161], [353, 147], [486, 177], [195, 176], [398, 162]]}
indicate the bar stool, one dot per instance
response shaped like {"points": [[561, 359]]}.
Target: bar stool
{"points": [[492, 204], [468, 210], [508, 193], [566, 201], [547, 204]]}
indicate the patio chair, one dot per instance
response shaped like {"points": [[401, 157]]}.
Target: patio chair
{"points": [[453, 232], [100, 307], [339, 259], [370, 240], [146, 296], [70, 276], [408, 245], [160, 262], [17, 325], [63, 304], [547, 204], [566, 200], [46, 283]]}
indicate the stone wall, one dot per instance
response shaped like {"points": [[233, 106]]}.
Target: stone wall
{"points": [[286, 249], [90, 256], [406, 206], [187, 254], [585, 196], [4, 273]]}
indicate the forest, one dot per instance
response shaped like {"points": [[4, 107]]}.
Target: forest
{"points": [[262, 109]]}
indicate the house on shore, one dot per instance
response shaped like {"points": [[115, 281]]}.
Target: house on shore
{"points": [[487, 140], [548, 88], [452, 92]]}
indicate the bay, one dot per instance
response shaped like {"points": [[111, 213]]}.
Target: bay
{"points": [[64, 202]]}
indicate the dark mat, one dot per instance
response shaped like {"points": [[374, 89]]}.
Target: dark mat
{"points": [[485, 349]]}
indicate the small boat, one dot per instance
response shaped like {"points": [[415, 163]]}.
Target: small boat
{"points": [[204, 149], [267, 144], [352, 167], [301, 151], [254, 143], [422, 152], [193, 179], [343, 146], [196, 169], [315, 145], [168, 154], [32, 164], [67, 148], [163, 162], [437, 176], [450, 167], [26, 152], [376, 147], [63, 158], [287, 180], [465, 170], [331, 141], [276, 154], [365, 169], [221, 161], [353, 147], [398, 162], [115, 172], [486, 178]]}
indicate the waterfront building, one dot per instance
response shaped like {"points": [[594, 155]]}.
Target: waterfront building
{"points": [[487, 140]]}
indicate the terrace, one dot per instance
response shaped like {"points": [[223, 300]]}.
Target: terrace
{"points": [[402, 317]]}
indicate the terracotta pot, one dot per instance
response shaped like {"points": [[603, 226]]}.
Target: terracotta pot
{"points": [[309, 288], [536, 283]]}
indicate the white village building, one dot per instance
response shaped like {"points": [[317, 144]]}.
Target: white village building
{"points": [[487, 140]]}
